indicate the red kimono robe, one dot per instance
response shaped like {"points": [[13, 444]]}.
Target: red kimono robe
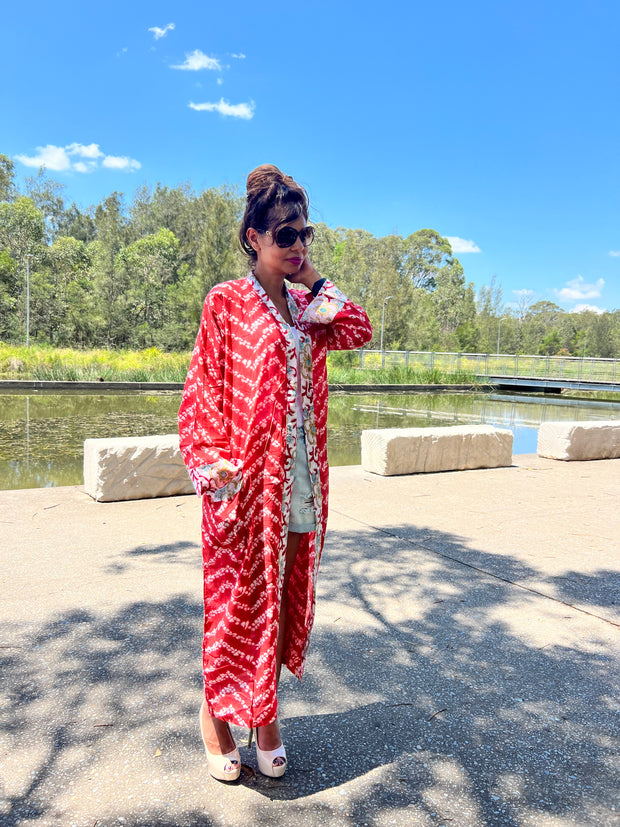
{"points": [[238, 419]]}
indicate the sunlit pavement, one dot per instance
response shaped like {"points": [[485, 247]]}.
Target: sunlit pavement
{"points": [[462, 670]]}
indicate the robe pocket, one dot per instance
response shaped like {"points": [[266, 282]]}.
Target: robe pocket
{"points": [[220, 519]]}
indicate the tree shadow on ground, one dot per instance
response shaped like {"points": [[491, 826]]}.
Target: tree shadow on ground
{"points": [[424, 702]]}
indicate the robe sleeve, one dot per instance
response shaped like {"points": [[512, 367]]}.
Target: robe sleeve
{"points": [[202, 436], [347, 325]]}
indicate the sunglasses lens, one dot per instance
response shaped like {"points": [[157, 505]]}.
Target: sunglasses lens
{"points": [[287, 236]]}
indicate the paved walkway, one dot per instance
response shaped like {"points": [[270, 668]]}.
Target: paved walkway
{"points": [[462, 672]]}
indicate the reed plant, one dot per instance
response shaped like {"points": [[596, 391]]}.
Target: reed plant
{"points": [[68, 365], [153, 365], [396, 375]]}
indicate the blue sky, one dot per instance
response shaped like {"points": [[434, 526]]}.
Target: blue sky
{"points": [[495, 123]]}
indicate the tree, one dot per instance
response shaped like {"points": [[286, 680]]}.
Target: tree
{"points": [[490, 309], [551, 344], [46, 195], [22, 230], [425, 254], [9, 319], [7, 188], [540, 320], [74, 223], [110, 286], [454, 304], [64, 296], [218, 255], [150, 266]]}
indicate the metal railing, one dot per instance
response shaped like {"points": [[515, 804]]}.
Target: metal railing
{"points": [[490, 364]]}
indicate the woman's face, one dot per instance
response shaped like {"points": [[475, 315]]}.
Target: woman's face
{"points": [[274, 260]]}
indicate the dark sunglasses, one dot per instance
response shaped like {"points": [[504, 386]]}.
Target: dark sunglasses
{"points": [[287, 236]]}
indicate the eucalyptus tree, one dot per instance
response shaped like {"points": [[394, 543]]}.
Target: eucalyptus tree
{"points": [[109, 283], [148, 267], [490, 308], [9, 318], [69, 301], [46, 195], [22, 230], [540, 326], [7, 174]]}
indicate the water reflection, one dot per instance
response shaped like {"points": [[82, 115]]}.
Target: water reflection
{"points": [[42, 434]]}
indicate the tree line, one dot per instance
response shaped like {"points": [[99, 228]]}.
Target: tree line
{"points": [[134, 275]]}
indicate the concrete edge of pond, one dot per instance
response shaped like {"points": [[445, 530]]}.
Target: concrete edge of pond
{"points": [[54, 385]]}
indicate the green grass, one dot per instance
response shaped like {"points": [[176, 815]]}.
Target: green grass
{"points": [[152, 365], [67, 365], [396, 376]]}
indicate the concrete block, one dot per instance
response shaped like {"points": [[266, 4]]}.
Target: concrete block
{"points": [[393, 451], [579, 440], [134, 468]]}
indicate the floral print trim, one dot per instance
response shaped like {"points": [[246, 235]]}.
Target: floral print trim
{"points": [[327, 303], [221, 480], [307, 395]]}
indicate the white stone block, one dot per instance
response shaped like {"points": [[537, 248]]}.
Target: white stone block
{"points": [[134, 468], [422, 450], [579, 440]]}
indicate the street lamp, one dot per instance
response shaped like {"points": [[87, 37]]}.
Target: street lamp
{"points": [[29, 256], [383, 319], [499, 331]]}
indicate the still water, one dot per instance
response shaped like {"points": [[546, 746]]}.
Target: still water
{"points": [[41, 434]]}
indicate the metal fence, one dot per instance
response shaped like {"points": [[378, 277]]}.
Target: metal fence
{"points": [[490, 364]]}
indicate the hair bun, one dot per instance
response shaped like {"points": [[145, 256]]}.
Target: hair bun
{"points": [[264, 177]]}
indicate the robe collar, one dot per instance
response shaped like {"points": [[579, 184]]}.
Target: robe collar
{"points": [[292, 306]]}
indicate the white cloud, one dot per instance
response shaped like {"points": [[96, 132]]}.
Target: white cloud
{"points": [[50, 156], [233, 110], [220, 81], [76, 157], [615, 253], [577, 289], [524, 293], [80, 166], [461, 245], [582, 308], [120, 162], [89, 151], [240, 56], [157, 32], [194, 61]]}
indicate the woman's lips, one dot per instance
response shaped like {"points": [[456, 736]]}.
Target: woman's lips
{"points": [[295, 261]]}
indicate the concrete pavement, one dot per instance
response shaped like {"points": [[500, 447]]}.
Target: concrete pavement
{"points": [[462, 670]]}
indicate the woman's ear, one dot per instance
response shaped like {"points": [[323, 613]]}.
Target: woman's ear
{"points": [[252, 236]]}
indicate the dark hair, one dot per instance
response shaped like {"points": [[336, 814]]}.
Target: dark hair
{"points": [[273, 199]]}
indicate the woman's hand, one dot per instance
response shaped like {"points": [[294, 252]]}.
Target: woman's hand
{"points": [[306, 275]]}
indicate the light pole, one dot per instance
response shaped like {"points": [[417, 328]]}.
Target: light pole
{"points": [[499, 331], [383, 320], [28, 257]]}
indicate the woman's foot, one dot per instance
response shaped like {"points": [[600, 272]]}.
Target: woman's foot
{"points": [[270, 750], [223, 757]]}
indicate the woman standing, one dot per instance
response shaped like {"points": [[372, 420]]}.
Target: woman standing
{"points": [[253, 434]]}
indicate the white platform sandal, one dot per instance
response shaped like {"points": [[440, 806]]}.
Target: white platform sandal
{"points": [[222, 767], [267, 758]]}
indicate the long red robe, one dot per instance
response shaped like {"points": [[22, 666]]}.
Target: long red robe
{"points": [[239, 411]]}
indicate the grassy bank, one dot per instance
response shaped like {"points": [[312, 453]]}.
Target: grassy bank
{"points": [[152, 365], [66, 365]]}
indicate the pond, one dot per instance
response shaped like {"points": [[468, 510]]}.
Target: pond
{"points": [[42, 433]]}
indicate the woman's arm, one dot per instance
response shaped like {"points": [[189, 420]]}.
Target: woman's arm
{"points": [[202, 435], [347, 325]]}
